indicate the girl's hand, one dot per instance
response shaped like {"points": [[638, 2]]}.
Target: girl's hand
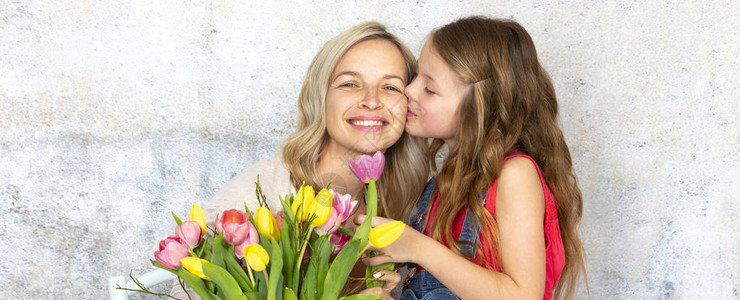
{"points": [[401, 250], [391, 281]]}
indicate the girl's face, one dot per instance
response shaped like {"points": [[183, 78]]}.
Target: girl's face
{"points": [[365, 102], [434, 98]]}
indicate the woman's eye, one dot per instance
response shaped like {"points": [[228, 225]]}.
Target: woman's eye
{"points": [[348, 84], [392, 88]]}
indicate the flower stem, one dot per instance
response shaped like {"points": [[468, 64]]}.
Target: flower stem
{"points": [[267, 278], [202, 248], [299, 260], [251, 277]]}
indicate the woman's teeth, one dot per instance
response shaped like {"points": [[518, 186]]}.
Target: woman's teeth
{"points": [[366, 123]]}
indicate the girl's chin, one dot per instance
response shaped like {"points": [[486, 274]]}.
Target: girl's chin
{"points": [[413, 130]]}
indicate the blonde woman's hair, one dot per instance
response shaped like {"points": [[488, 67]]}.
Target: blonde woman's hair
{"points": [[406, 169], [511, 104]]}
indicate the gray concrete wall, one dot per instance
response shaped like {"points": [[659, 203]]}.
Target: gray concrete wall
{"points": [[114, 113]]}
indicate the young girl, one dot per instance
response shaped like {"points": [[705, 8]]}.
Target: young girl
{"points": [[498, 220]]}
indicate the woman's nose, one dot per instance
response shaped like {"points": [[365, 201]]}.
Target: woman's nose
{"points": [[371, 101]]}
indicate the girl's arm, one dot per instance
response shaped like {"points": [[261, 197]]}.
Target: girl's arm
{"points": [[520, 211]]}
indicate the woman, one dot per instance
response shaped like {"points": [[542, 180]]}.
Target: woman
{"points": [[352, 102]]}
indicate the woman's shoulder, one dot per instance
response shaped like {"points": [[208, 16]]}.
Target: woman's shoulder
{"points": [[268, 170], [274, 180]]}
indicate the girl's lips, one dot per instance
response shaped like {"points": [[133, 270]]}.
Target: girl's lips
{"points": [[410, 113]]}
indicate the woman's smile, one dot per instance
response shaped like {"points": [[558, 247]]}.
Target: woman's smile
{"points": [[368, 123]]}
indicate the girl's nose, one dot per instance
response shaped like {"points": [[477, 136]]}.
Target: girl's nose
{"points": [[412, 90]]}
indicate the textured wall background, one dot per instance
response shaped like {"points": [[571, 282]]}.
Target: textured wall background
{"points": [[114, 113]]}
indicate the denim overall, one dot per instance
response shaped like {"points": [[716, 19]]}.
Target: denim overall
{"points": [[423, 286]]}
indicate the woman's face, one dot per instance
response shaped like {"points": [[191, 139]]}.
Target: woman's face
{"points": [[365, 102], [434, 98]]}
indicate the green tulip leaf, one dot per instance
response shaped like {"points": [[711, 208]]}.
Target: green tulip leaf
{"points": [[340, 269], [195, 283], [308, 286], [288, 255], [217, 257], [262, 286], [323, 248], [276, 268], [253, 295], [289, 294], [177, 220], [345, 231], [237, 271], [227, 285]]}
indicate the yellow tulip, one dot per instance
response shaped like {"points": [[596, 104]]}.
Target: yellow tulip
{"points": [[256, 256], [386, 234], [303, 202], [194, 265], [266, 223], [197, 215], [322, 207]]}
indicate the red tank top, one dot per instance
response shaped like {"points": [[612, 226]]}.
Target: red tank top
{"points": [[554, 252]]}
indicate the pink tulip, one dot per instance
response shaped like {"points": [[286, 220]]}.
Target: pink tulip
{"points": [[252, 238], [235, 226], [367, 167], [342, 207], [279, 219], [189, 233], [171, 251], [339, 239]]}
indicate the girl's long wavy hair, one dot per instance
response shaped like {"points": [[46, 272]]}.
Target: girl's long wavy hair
{"points": [[511, 104], [406, 169]]}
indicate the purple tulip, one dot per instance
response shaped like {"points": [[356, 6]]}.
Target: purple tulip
{"points": [[342, 207], [189, 233], [367, 167], [171, 251]]}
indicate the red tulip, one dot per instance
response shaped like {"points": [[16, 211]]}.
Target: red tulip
{"points": [[171, 251], [189, 233]]}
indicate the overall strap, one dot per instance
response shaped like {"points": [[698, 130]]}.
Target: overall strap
{"points": [[470, 232], [417, 219]]}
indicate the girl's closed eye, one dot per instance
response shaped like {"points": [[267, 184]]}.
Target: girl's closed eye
{"points": [[428, 91]]}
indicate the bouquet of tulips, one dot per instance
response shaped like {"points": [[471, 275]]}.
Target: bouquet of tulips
{"points": [[301, 254]]}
